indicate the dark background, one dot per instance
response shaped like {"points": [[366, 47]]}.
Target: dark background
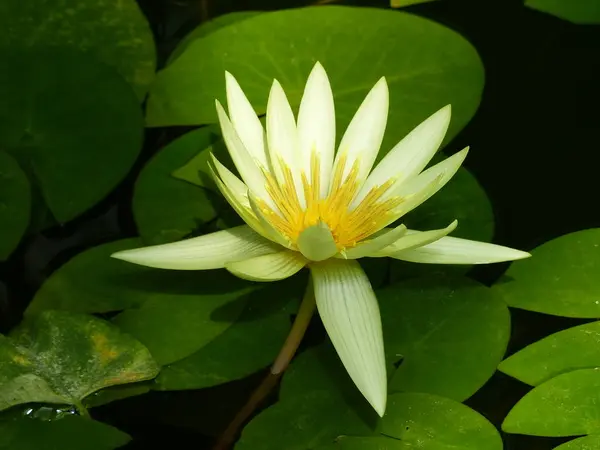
{"points": [[535, 153]]}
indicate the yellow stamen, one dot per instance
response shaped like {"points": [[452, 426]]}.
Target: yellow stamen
{"points": [[348, 226]]}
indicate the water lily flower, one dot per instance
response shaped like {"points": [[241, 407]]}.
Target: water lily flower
{"points": [[307, 206]]}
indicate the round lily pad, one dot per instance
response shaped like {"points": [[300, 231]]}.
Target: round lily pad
{"points": [[429, 422], [317, 403], [15, 204], [62, 357], [166, 206], [72, 123], [118, 34], [445, 335], [565, 351], [247, 346], [206, 28], [185, 310], [561, 277], [426, 65], [566, 405]]}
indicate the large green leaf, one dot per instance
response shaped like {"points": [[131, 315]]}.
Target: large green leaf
{"points": [[317, 403], [70, 433], [207, 28], [560, 278], [463, 199], [585, 443], [15, 204], [577, 11], [71, 122], [116, 33], [449, 334], [62, 357], [566, 405], [428, 422], [93, 282], [167, 208], [426, 65], [197, 307], [250, 344], [575, 348]]}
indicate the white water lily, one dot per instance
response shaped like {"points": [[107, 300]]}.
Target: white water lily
{"points": [[305, 205]]}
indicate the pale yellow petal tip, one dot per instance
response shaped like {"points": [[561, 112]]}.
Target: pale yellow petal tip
{"points": [[126, 255]]}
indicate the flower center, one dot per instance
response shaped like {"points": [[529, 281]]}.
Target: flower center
{"points": [[348, 225]]}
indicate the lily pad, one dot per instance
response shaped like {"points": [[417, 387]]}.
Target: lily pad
{"points": [[429, 422], [62, 357], [561, 277], [576, 11], [15, 204], [70, 433], [317, 403], [462, 199], [72, 123], [566, 405], [197, 307], [446, 334], [117, 34], [166, 208], [247, 346], [591, 442], [565, 351], [207, 28], [426, 65], [93, 282]]}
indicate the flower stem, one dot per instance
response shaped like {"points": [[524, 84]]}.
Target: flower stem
{"points": [[281, 363]]}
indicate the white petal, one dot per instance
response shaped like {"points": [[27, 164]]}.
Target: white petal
{"points": [[422, 187], [374, 245], [282, 137], [236, 194], [245, 120], [211, 251], [245, 164], [413, 239], [316, 126], [362, 139], [451, 250], [350, 314], [410, 156], [273, 267]]}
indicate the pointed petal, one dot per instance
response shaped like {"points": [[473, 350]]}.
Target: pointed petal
{"points": [[316, 126], [245, 120], [273, 267], [375, 245], [362, 139], [211, 251], [350, 314], [451, 250], [413, 239], [236, 194], [410, 156], [422, 187], [244, 162]]}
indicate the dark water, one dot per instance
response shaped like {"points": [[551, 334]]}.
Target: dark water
{"points": [[537, 158]]}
